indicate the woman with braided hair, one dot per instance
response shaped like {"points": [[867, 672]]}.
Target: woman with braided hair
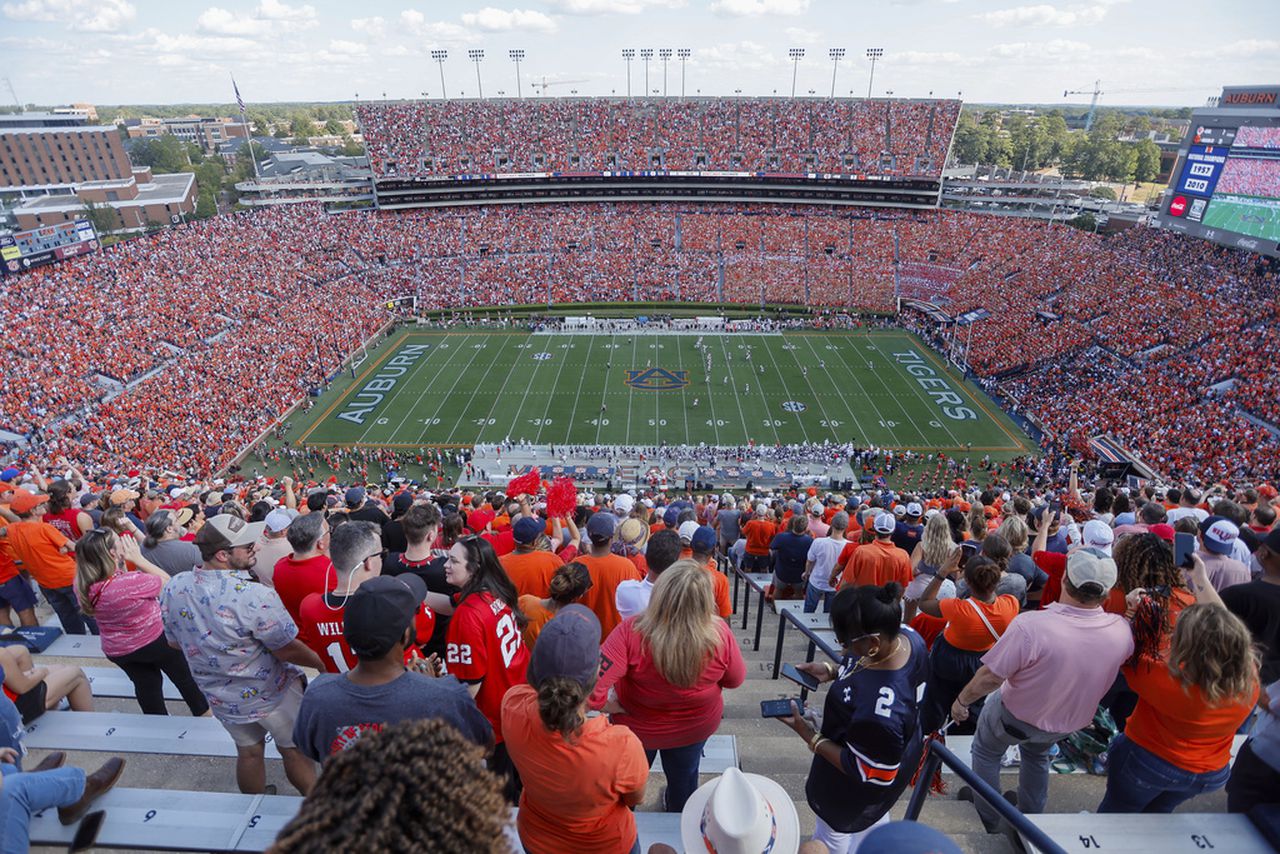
{"points": [[415, 786], [1144, 562]]}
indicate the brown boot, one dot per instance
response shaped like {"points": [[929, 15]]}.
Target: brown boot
{"points": [[54, 760], [95, 785]]}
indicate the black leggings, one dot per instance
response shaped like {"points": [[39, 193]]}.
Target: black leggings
{"points": [[146, 668]]}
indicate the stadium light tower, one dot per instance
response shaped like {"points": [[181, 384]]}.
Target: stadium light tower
{"points": [[836, 54], [440, 55], [646, 53], [628, 54], [796, 54], [664, 54], [476, 54], [684, 53], [516, 55], [873, 53]]}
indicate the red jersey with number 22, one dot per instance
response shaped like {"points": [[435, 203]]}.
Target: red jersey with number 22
{"points": [[484, 645]]}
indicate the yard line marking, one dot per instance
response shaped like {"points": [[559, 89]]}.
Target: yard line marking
{"points": [[684, 406], [551, 397], [631, 392], [448, 395], [604, 389], [420, 366], [853, 373], [736, 397], [352, 388], [494, 406], [769, 348], [915, 387]]}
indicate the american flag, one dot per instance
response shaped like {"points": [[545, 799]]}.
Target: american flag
{"points": [[239, 100]]}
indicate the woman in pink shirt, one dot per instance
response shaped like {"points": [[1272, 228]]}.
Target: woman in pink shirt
{"points": [[668, 666], [125, 604]]}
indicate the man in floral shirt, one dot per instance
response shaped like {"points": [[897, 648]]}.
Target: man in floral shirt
{"points": [[241, 645]]}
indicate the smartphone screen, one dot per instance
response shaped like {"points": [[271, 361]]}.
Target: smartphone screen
{"points": [[778, 708], [1184, 545], [804, 680]]}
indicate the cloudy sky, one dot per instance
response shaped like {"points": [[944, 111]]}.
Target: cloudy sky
{"points": [[170, 51]]}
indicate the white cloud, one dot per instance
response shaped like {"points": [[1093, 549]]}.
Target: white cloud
{"points": [[755, 8], [508, 20], [218, 20], [274, 10], [440, 32], [91, 16], [1044, 15], [923, 57], [799, 35], [613, 7], [347, 48], [1053, 50], [269, 18], [739, 56], [375, 26]]}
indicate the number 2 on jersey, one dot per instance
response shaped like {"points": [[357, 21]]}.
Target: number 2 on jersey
{"points": [[508, 638], [884, 703]]}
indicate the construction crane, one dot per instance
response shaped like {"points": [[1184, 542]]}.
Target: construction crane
{"points": [[1093, 105], [545, 84]]}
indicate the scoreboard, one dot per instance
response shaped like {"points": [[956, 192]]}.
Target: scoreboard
{"points": [[1226, 184], [48, 244]]}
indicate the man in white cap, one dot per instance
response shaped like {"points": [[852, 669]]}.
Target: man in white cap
{"points": [[909, 529], [1218, 537], [1048, 672], [1097, 535], [274, 544]]}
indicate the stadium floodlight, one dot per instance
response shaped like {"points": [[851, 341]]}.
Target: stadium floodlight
{"points": [[664, 54], [646, 53], [516, 55], [873, 53], [628, 54], [796, 54], [440, 55], [836, 54], [476, 54], [684, 53]]}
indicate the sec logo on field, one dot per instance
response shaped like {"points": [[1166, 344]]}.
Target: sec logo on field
{"points": [[793, 406], [657, 379], [541, 357], [1178, 206]]}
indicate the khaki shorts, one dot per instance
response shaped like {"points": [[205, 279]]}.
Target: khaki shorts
{"points": [[277, 726]]}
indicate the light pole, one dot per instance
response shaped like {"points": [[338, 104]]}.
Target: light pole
{"points": [[476, 54], [836, 54], [684, 53], [516, 55], [873, 53], [796, 54], [440, 55], [646, 53], [664, 54], [628, 54]]}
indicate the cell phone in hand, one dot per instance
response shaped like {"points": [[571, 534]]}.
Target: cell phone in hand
{"points": [[779, 708], [804, 680], [968, 549], [1184, 546]]}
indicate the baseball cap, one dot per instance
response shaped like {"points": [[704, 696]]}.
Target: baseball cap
{"points": [[120, 496], [885, 523], [225, 531], [703, 540], [817, 509], [24, 502], [1090, 566], [672, 516], [378, 612], [1272, 540], [914, 510], [355, 495], [89, 499], [1163, 531], [1219, 534], [9, 474], [402, 502], [727, 498], [687, 530], [633, 532], [277, 520], [601, 526], [623, 504], [568, 647], [1098, 535], [899, 510], [527, 529]]}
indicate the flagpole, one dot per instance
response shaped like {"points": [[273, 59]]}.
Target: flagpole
{"points": [[248, 131]]}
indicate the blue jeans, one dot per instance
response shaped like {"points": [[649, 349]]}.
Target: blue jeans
{"points": [[812, 596], [680, 764], [67, 607], [1140, 781], [24, 795]]}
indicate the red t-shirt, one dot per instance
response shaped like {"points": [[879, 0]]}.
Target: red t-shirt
{"points": [[320, 626], [484, 645], [65, 522], [295, 580]]}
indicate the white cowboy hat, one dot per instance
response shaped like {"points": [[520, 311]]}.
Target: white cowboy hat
{"points": [[739, 813]]}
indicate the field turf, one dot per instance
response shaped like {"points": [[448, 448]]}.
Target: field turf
{"points": [[881, 388], [1252, 215]]}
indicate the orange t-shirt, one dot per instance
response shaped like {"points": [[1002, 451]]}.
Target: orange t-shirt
{"points": [[539, 616], [877, 562], [719, 587], [606, 762], [607, 573], [38, 546], [531, 572], [759, 533], [965, 629], [1177, 724]]}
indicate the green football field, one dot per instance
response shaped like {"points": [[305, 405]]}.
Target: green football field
{"points": [[1257, 217], [465, 387]]}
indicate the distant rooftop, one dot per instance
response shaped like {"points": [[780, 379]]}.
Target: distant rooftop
{"points": [[42, 120]]}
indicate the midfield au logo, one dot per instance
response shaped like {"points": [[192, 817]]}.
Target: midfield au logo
{"points": [[657, 379]]}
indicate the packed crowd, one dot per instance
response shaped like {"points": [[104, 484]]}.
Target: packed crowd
{"points": [[1247, 176], [553, 643], [1253, 136], [419, 139]]}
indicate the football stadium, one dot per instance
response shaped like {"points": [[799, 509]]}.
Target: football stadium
{"points": [[613, 473]]}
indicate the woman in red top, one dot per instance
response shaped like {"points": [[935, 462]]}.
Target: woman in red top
{"points": [[668, 666], [65, 516], [1177, 743], [484, 647]]}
